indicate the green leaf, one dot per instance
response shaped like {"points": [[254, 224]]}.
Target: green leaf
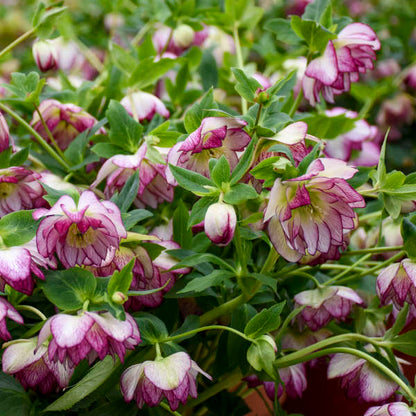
{"points": [[283, 29], [265, 321], [27, 87], [243, 164], [121, 280], [98, 374], [199, 284], [13, 398], [19, 157], [131, 218], [191, 322], [148, 71], [261, 356], [399, 323], [406, 343], [308, 159], [318, 11], [234, 9], [18, 228], [198, 112], [152, 329], [69, 289], [208, 71], [128, 194], [196, 259], [124, 130], [192, 181], [240, 193], [55, 194], [199, 210], [408, 231], [182, 234], [220, 173], [107, 150], [166, 138], [122, 59], [326, 127], [245, 86]]}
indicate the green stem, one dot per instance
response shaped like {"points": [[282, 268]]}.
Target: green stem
{"points": [[272, 257], [207, 328], [140, 34], [373, 250], [369, 216], [224, 309], [17, 41], [240, 61], [31, 309], [296, 103], [90, 56], [35, 134], [287, 321], [168, 409]]}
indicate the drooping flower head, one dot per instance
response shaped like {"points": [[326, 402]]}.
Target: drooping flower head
{"points": [[7, 310], [344, 58], [88, 335], [215, 137], [153, 187], [65, 121], [308, 215], [324, 304], [45, 55], [173, 378], [143, 106], [19, 190], [219, 223], [390, 409], [32, 367], [87, 233]]}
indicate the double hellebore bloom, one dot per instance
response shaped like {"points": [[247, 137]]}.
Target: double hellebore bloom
{"points": [[390, 409], [87, 233], [65, 121], [343, 60], [173, 377], [19, 190], [33, 368], [45, 55], [324, 304], [88, 335], [215, 137], [397, 283], [7, 310], [143, 106], [360, 378], [309, 215], [219, 223], [153, 187]]}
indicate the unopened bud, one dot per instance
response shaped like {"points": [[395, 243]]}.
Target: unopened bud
{"points": [[45, 55], [119, 298], [4, 134], [183, 36], [219, 224]]}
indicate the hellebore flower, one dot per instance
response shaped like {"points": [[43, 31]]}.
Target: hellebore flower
{"points": [[143, 106], [173, 377], [153, 187], [45, 55], [397, 283], [360, 138], [32, 367], [88, 335], [19, 190], [343, 60], [219, 223], [7, 310], [215, 137], [325, 304], [308, 215], [390, 409], [4, 134], [360, 378], [65, 121], [87, 233]]}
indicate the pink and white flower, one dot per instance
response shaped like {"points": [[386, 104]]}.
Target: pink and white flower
{"points": [[153, 187], [19, 190], [87, 233], [30, 364], [173, 378], [143, 106], [309, 215], [88, 335], [219, 223], [390, 409], [4, 134], [215, 137], [7, 310], [344, 58], [45, 55], [65, 121], [324, 304]]}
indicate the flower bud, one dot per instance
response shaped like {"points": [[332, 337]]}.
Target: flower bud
{"points": [[183, 36], [4, 134], [45, 55], [119, 298], [219, 224]]}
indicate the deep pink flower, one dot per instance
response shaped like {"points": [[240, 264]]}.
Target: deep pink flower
{"points": [[410, 79], [7, 310], [65, 121], [344, 58], [153, 187], [390, 409], [143, 106], [4, 134], [45, 55], [308, 215], [32, 367], [397, 283], [360, 378], [324, 304], [215, 137], [19, 190], [87, 233], [219, 223], [88, 335], [173, 378]]}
